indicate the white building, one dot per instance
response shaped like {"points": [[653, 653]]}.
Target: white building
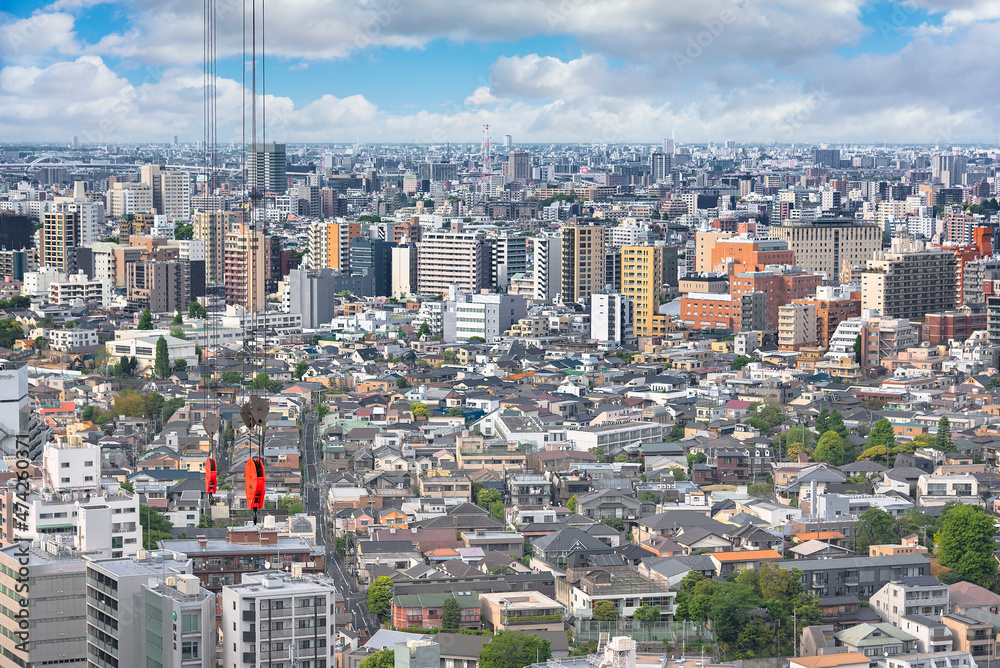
{"points": [[143, 348], [404, 271], [483, 315], [68, 339], [278, 617], [79, 289], [613, 435], [129, 199], [547, 271], [921, 596], [36, 283], [611, 318], [943, 659]]}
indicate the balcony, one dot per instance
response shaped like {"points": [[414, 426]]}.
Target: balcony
{"points": [[249, 636], [249, 615]]}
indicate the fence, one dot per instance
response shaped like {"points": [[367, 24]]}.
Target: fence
{"points": [[673, 633]]}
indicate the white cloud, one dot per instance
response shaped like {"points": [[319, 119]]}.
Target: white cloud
{"points": [[41, 33]]}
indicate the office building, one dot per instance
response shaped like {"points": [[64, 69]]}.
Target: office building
{"points": [[116, 606], [175, 195], [279, 618], [826, 157], [611, 318], [17, 420], [437, 172], [452, 257], [329, 244], [547, 274], [267, 169], [518, 166], [211, 227], [909, 280], [642, 282], [16, 231], [162, 287], [57, 599], [660, 164], [582, 262], [245, 263], [826, 246], [373, 257], [13, 264], [484, 315], [404, 271], [60, 235], [179, 623]]}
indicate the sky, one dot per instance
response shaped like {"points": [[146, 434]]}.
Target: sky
{"points": [[432, 71]]}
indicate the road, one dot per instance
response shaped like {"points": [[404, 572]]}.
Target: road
{"points": [[354, 602]]}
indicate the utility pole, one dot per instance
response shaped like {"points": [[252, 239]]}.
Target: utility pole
{"points": [[795, 631]]}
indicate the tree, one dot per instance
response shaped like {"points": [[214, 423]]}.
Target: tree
{"points": [[145, 320], [263, 382], [760, 490], [598, 452], [873, 404], [178, 320], [183, 231], [795, 449], [874, 528], [696, 458], [451, 615], [419, 409], [196, 310], [822, 425], [322, 411], [965, 543], [605, 611], [487, 497], [300, 369], [40, 343], [740, 362], [836, 423], [647, 613], [292, 503], [177, 333], [383, 658], [180, 365], [621, 458], [514, 649], [830, 449], [455, 411], [10, 331], [232, 377], [496, 510], [424, 329], [380, 596], [571, 504], [943, 440], [169, 408], [857, 349], [161, 366], [155, 527], [881, 435]]}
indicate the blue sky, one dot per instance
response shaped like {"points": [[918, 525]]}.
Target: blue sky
{"points": [[541, 70]]}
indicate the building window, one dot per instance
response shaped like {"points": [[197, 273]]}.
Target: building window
{"points": [[189, 650]]}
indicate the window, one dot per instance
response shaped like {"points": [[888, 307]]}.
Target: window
{"points": [[189, 650], [64, 465], [190, 622]]}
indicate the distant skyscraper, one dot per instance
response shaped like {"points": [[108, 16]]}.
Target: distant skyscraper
{"points": [[508, 141], [518, 166], [60, 237], [826, 157], [175, 140], [267, 169], [76, 141], [582, 262]]}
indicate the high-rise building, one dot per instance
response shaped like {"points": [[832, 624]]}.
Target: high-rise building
{"points": [[175, 195], [56, 594], [60, 235], [279, 618], [373, 257], [508, 256], [826, 246], [826, 157], [211, 227], [404, 271], [909, 280], [151, 177], [179, 623], [452, 257], [116, 608], [267, 169], [833, 306], [245, 268], [128, 199], [659, 165], [582, 262], [16, 231], [162, 287], [518, 165], [547, 272], [329, 244], [796, 325], [611, 318], [642, 281]]}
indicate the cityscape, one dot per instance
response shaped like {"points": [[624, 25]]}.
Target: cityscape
{"points": [[536, 335]]}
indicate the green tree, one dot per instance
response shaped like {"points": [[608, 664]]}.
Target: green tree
{"points": [[605, 611], [598, 452], [873, 404], [571, 504], [647, 613], [177, 333], [965, 543], [292, 503], [514, 649], [451, 615], [169, 408], [10, 331], [300, 369], [760, 490], [322, 411], [196, 310], [881, 435], [649, 496], [419, 409], [263, 382], [183, 231], [380, 596], [822, 425], [830, 449], [145, 320], [487, 497], [874, 528], [836, 423], [455, 411], [161, 365], [155, 527], [622, 458], [180, 365], [696, 458], [40, 343], [943, 440], [383, 658], [232, 377], [740, 362], [857, 349], [424, 329], [178, 320], [496, 510]]}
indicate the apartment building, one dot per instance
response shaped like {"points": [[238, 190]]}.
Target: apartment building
{"points": [[278, 618], [920, 595], [452, 257], [796, 325], [909, 280], [642, 283], [826, 246], [526, 611], [582, 261], [856, 576], [211, 227]]}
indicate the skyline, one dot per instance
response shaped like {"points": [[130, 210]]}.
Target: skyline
{"points": [[544, 72]]}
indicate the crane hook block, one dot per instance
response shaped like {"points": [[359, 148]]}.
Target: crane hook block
{"points": [[254, 483]]}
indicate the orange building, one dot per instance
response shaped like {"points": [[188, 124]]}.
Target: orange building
{"points": [[746, 253], [983, 247]]}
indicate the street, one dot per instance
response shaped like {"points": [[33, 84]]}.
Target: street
{"points": [[315, 502]]}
